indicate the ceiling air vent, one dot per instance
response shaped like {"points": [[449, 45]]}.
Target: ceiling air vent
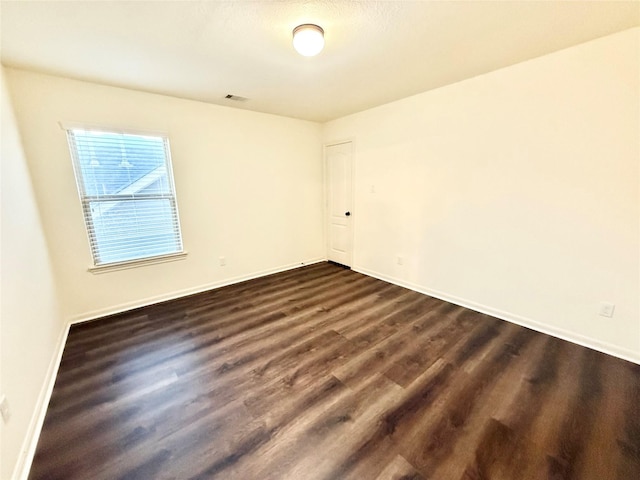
{"points": [[235, 98]]}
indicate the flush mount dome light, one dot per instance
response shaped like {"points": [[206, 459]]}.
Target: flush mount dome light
{"points": [[308, 39]]}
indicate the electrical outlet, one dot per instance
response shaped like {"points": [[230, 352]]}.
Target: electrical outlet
{"points": [[400, 260], [4, 408], [223, 261], [607, 309]]}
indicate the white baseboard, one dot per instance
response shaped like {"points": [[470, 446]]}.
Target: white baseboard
{"points": [[583, 340], [28, 449], [95, 314]]}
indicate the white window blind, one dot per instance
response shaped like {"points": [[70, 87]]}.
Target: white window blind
{"points": [[126, 188]]}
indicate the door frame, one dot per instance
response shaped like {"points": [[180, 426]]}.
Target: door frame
{"points": [[325, 203]]}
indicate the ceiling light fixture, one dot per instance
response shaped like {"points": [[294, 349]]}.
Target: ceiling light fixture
{"points": [[308, 39]]}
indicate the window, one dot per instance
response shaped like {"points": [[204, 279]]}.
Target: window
{"points": [[127, 193]]}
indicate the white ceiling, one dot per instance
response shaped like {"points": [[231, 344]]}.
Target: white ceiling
{"points": [[376, 51]]}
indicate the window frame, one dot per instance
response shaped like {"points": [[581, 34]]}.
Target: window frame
{"points": [[86, 200]]}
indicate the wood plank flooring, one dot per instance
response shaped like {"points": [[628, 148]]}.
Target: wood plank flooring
{"points": [[323, 373]]}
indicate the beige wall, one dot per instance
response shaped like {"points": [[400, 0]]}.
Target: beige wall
{"points": [[249, 188], [515, 193], [31, 327]]}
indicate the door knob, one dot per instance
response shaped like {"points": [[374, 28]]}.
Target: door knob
{"points": [[347, 214]]}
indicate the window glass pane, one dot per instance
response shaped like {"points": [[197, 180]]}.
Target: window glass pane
{"points": [[129, 229], [113, 163], [125, 185]]}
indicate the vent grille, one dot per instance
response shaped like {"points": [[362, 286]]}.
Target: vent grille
{"points": [[235, 98]]}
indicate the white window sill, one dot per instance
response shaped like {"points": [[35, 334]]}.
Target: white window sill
{"points": [[137, 263]]}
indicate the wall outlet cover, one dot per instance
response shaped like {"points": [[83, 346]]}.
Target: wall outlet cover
{"points": [[607, 309], [4, 408]]}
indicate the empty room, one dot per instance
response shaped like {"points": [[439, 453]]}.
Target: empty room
{"points": [[320, 240]]}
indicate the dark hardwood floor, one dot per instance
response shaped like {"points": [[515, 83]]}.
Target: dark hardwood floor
{"points": [[323, 373]]}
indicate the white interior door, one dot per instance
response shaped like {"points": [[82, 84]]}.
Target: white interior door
{"points": [[338, 160]]}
